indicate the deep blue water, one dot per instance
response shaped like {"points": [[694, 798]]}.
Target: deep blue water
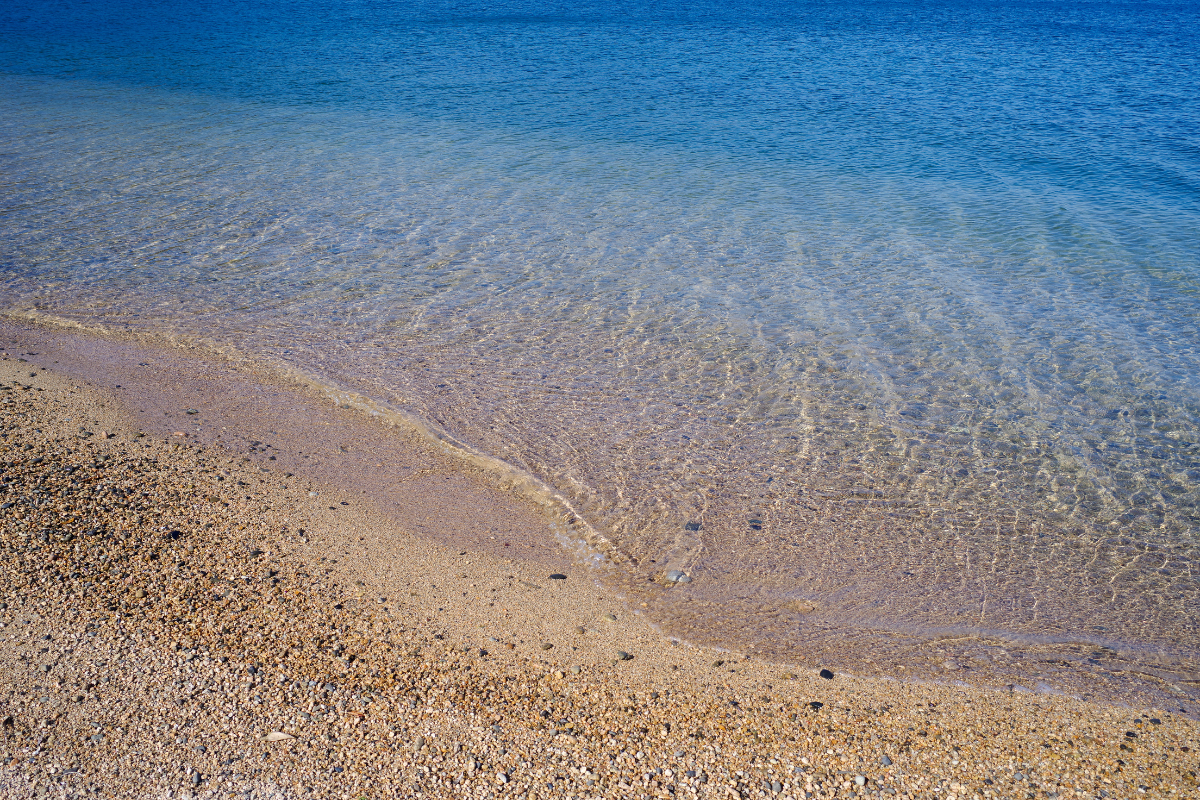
{"points": [[899, 301]]}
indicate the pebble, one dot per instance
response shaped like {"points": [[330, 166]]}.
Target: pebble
{"points": [[676, 576], [826, 674], [623, 656]]}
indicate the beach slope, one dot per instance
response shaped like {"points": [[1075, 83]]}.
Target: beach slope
{"points": [[179, 619]]}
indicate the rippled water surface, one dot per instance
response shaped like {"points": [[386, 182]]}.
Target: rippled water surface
{"points": [[880, 320]]}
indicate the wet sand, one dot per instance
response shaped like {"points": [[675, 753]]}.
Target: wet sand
{"points": [[198, 605]]}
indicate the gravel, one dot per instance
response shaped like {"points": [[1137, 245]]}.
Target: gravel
{"points": [[235, 658]]}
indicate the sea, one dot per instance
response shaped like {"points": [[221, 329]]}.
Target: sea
{"points": [[859, 333]]}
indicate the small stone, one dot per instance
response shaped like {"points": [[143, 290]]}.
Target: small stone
{"points": [[575, 670], [418, 743], [885, 761], [611, 617], [191, 411], [579, 629], [675, 576], [547, 646], [826, 674], [502, 778], [277, 736], [623, 656], [140, 594], [558, 576], [860, 780]]}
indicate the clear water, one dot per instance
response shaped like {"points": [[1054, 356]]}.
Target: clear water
{"points": [[880, 320]]}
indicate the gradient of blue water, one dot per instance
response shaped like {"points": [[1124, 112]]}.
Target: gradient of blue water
{"points": [[914, 286]]}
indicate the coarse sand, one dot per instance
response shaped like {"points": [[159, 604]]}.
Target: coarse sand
{"points": [[182, 615]]}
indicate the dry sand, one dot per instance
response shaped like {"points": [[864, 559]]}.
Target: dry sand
{"points": [[186, 618]]}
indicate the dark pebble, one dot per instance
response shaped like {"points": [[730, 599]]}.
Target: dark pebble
{"points": [[558, 576], [692, 526], [826, 674], [815, 705]]}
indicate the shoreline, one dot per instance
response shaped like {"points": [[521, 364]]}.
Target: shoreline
{"points": [[165, 572], [410, 479]]}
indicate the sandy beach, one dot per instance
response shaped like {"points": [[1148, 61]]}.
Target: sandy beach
{"points": [[191, 608]]}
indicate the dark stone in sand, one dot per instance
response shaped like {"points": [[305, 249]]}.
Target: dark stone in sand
{"points": [[815, 705], [826, 674], [558, 576], [692, 526]]}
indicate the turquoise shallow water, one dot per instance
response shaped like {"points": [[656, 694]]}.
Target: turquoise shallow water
{"points": [[881, 321]]}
